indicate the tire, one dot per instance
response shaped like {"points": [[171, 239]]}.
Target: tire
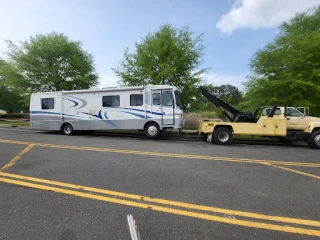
{"points": [[67, 129], [314, 141], [152, 130], [222, 136]]}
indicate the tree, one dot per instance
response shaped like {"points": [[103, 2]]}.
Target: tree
{"points": [[287, 70], [51, 62], [11, 98], [227, 93], [168, 56]]}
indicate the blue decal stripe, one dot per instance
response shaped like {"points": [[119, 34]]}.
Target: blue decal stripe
{"points": [[75, 103], [50, 113], [70, 115], [138, 115], [108, 121], [44, 112], [139, 110], [99, 115]]}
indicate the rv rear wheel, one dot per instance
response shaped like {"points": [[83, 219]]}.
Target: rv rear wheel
{"points": [[222, 136], [152, 130], [67, 129], [314, 141]]}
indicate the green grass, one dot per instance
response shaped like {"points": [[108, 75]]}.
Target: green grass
{"points": [[15, 123], [190, 128]]}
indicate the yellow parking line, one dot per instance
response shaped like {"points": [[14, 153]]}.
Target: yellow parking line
{"points": [[173, 155], [168, 202], [296, 230], [16, 158], [295, 171]]}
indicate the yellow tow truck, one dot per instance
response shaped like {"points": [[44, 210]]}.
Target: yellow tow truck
{"points": [[284, 123]]}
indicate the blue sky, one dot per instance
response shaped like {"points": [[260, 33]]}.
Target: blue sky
{"points": [[233, 30]]}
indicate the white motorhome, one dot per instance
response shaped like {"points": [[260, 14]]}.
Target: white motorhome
{"points": [[151, 108]]}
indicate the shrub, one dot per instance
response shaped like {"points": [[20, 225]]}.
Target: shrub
{"points": [[208, 114], [192, 119]]}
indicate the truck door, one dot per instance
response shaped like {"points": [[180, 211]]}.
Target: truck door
{"points": [[163, 104], [296, 120]]}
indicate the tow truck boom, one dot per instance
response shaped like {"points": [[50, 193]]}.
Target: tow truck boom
{"points": [[232, 114]]}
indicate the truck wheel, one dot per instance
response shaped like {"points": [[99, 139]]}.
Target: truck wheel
{"points": [[67, 129], [152, 130], [314, 141], [222, 136]]}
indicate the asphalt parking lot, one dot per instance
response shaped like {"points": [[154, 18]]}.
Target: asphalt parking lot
{"points": [[83, 187]]}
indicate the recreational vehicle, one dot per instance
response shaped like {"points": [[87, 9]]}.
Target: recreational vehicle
{"points": [[151, 108]]}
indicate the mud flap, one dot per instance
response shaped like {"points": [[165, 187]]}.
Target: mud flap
{"points": [[209, 137]]}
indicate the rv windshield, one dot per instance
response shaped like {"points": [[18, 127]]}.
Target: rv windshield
{"points": [[177, 96]]}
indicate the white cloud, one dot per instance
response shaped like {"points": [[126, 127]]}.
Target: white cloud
{"points": [[257, 14], [220, 79]]}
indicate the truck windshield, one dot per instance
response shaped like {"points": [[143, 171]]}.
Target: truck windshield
{"points": [[292, 112], [266, 111], [177, 96]]}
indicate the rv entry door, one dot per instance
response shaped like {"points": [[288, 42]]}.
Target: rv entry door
{"points": [[162, 103]]}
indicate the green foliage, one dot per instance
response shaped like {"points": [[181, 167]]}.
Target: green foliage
{"points": [[168, 56], [50, 62], [10, 99], [12, 94], [227, 93], [287, 70], [208, 114]]}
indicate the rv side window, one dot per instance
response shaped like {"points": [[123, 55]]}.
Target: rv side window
{"points": [[111, 101], [156, 99], [47, 103], [136, 100], [167, 99]]}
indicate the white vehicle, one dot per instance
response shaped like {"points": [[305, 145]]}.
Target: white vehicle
{"points": [[152, 108]]}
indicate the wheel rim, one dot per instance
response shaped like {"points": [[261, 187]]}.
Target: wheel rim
{"points": [[317, 140], [223, 136], [67, 129], [152, 130]]}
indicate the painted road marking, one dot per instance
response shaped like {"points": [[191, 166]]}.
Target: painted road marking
{"points": [[173, 155], [16, 158], [166, 202], [294, 171], [168, 209]]}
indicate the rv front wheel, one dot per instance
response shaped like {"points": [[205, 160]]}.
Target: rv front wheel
{"points": [[67, 129], [153, 130]]}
